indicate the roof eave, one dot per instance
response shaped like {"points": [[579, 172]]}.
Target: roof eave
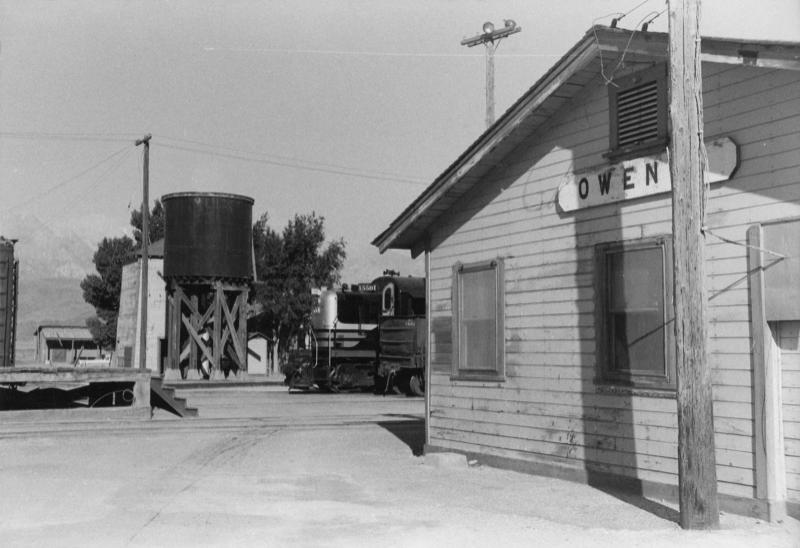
{"points": [[400, 235], [577, 57]]}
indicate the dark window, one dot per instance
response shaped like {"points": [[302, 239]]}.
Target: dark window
{"points": [[634, 311], [478, 327], [388, 300], [358, 308], [58, 355], [638, 113]]}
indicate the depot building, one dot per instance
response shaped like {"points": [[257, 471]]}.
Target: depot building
{"points": [[548, 247]]}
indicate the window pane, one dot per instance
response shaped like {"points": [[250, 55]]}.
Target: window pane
{"points": [[636, 311], [478, 320]]}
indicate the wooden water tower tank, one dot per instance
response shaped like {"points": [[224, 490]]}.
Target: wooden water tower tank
{"points": [[208, 267]]}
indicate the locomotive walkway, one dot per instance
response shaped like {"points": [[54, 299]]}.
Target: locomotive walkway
{"points": [[263, 467]]}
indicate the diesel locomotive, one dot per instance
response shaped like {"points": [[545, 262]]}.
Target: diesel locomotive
{"points": [[365, 336]]}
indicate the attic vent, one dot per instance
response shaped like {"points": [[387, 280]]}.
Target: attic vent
{"points": [[637, 115]]}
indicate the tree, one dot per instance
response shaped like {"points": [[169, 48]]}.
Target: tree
{"points": [[288, 266], [102, 290], [155, 226]]}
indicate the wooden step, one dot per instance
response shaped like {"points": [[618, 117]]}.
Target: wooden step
{"points": [[164, 398]]}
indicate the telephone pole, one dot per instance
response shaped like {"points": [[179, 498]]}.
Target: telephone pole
{"points": [[491, 39], [145, 243], [697, 473]]}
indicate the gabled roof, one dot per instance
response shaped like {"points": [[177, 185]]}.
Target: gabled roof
{"points": [[595, 57], [64, 332], [154, 251]]}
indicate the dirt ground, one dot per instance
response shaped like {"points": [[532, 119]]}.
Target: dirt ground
{"points": [[262, 467]]}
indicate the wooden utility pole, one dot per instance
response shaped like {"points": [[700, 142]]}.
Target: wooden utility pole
{"points": [[490, 37], [697, 475], [490, 49], [145, 243]]}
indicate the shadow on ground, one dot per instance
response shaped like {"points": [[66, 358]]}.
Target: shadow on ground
{"points": [[634, 497], [410, 431]]}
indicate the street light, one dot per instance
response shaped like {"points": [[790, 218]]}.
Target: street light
{"points": [[491, 39]]}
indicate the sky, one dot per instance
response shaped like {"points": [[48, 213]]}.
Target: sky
{"points": [[345, 108]]}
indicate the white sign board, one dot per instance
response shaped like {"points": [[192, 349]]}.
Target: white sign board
{"points": [[640, 177]]}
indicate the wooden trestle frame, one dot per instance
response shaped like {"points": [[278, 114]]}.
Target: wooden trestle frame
{"points": [[225, 313]]}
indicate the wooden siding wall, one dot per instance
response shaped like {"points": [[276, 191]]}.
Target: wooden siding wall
{"points": [[549, 408]]}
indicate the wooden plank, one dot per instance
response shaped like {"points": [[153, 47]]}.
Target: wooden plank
{"points": [[591, 433], [46, 374], [534, 394], [633, 415], [242, 332], [175, 317], [777, 92], [217, 316], [484, 441], [573, 451], [727, 87], [231, 326], [192, 321], [770, 480], [732, 433], [199, 343]]}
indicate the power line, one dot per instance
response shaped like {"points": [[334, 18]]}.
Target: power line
{"points": [[293, 161], [46, 136], [366, 53], [65, 206], [67, 181], [341, 171], [237, 154], [97, 180]]}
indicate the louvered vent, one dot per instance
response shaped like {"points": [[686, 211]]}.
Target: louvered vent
{"points": [[637, 114]]}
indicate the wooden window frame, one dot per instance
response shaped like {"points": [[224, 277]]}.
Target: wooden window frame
{"points": [[657, 73], [606, 373], [498, 373]]}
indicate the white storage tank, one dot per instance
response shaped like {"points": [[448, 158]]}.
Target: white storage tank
{"points": [[324, 317]]}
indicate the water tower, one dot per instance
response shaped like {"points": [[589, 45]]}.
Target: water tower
{"points": [[208, 267]]}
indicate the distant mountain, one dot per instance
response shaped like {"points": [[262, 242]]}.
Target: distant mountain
{"points": [[52, 264], [46, 253], [51, 301]]}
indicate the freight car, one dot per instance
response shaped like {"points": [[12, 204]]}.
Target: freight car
{"points": [[365, 336], [9, 276]]}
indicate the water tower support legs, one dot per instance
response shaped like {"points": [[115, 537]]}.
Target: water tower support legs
{"points": [[211, 334]]}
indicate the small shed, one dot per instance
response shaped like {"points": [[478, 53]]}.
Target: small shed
{"points": [[548, 247], [257, 354], [64, 344]]}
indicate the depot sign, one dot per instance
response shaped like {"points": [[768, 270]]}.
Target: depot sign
{"points": [[640, 177]]}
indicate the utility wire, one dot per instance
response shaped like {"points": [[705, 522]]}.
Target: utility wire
{"points": [[67, 205], [292, 165], [366, 53], [45, 136], [67, 181], [299, 162], [637, 6], [260, 157], [96, 182]]}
